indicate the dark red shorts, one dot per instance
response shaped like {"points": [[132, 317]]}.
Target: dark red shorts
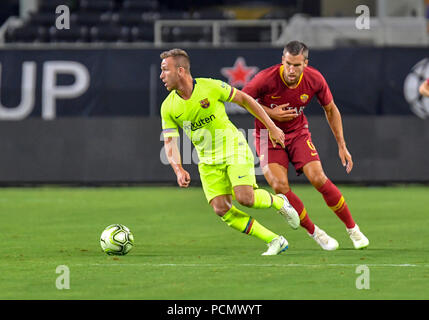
{"points": [[299, 150]]}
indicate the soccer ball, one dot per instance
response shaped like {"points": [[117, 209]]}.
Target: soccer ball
{"points": [[418, 74], [116, 239]]}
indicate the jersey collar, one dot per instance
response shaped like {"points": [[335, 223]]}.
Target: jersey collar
{"points": [[194, 82]]}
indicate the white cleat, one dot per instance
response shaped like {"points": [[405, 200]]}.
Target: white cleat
{"points": [[276, 246], [326, 242], [358, 238], [289, 213]]}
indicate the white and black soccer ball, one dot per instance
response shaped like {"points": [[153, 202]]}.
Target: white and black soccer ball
{"points": [[116, 239], [418, 74]]}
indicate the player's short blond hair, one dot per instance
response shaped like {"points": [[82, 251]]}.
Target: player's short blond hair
{"points": [[180, 56]]}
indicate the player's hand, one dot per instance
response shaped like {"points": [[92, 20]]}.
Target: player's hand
{"points": [[183, 178], [282, 113], [277, 136], [346, 159]]}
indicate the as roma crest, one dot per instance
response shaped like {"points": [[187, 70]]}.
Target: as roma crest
{"points": [[304, 97], [205, 103]]}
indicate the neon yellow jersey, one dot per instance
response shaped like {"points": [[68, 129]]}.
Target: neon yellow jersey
{"points": [[204, 120]]}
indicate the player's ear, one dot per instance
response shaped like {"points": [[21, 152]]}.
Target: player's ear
{"points": [[181, 71], [305, 62]]}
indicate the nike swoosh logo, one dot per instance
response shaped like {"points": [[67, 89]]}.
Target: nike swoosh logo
{"points": [[276, 97], [239, 177], [314, 153], [178, 115]]}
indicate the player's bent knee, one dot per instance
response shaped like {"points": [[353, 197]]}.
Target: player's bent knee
{"points": [[244, 195], [246, 200], [220, 208], [221, 205], [280, 186], [318, 180], [220, 211]]}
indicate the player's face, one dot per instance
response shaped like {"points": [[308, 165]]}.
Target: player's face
{"points": [[169, 73], [293, 67]]}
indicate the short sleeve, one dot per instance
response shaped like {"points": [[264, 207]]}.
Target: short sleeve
{"points": [[324, 95], [224, 91], [169, 126]]}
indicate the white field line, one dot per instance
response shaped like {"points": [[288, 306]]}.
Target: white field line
{"points": [[290, 265]]}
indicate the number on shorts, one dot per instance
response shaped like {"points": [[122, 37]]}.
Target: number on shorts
{"points": [[311, 145]]}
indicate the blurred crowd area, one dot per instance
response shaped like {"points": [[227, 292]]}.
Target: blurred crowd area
{"points": [[33, 21]]}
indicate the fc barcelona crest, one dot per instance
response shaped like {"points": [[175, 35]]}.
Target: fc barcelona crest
{"points": [[304, 97], [205, 103]]}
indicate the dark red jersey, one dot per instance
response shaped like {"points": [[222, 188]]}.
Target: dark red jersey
{"points": [[271, 90]]}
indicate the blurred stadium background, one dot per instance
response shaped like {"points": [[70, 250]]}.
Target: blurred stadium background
{"points": [[80, 104]]}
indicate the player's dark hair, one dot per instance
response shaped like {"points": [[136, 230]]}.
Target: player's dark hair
{"points": [[180, 56], [295, 48]]}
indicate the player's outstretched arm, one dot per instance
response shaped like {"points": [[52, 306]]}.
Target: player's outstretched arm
{"points": [[335, 122], [173, 156], [424, 88], [251, 105]]}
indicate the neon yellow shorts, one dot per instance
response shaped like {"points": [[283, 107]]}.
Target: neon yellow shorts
{"points": [[220, 179]]}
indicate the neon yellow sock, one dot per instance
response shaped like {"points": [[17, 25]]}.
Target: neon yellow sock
{"points": [[264, 199], [244, 223]]}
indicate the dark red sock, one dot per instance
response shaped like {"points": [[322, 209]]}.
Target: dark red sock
{"points": [[335, 200], [299, 207]]}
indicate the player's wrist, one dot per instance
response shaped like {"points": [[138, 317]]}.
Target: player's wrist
{"points": [[178, 169], [271, 126], [271, 129], [342, 145]]}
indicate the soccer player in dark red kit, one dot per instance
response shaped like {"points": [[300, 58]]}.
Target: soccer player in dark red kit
{"points": [[284, 90]]}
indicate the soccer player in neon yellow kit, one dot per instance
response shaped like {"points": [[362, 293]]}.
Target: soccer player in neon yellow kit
{"points": [[226, 163]]}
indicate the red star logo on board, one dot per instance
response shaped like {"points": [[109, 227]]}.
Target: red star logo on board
{"points": [[239, 74]]}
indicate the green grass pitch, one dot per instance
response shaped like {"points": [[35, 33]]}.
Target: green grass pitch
{"points": [[184, 251]]}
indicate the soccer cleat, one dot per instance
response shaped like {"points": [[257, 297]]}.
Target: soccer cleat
{"points": [[289, 213], [358, 238], [326, 242], [276, 246]]}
